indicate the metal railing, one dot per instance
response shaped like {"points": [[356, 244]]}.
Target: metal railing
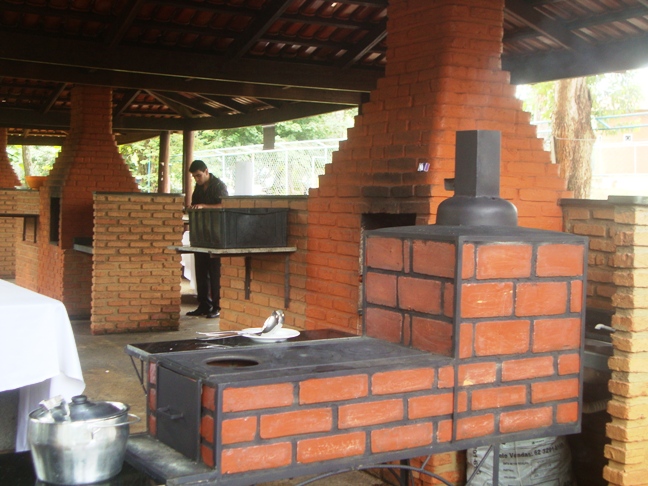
{"points": [[291, 168]]}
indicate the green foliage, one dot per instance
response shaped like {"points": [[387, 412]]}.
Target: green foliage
{"points": [[142, 157], [42, 159], [329, 125], [538, 99], [615, 93], [209, 139], [612, 94]]}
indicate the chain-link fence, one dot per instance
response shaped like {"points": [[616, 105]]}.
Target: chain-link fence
{"points": [[291, 168]]}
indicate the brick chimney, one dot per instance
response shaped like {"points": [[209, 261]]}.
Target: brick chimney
{"points": [[88, 162], [8, 178], [443, 75]]}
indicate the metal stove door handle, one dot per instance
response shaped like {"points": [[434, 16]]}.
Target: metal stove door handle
{"points": [[169, 413]]}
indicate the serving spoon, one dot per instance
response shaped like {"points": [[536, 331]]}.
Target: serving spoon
{"points": [[275, 321]]}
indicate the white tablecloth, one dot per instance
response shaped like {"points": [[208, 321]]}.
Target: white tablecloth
{"points": [[38, 353]]}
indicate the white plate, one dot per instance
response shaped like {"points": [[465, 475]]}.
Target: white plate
{"points": [[275, 336]]}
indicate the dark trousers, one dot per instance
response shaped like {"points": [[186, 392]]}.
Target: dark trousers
{"points": [[208, 281]]}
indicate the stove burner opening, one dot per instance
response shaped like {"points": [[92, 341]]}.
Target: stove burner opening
{"points": [[231, 362]]}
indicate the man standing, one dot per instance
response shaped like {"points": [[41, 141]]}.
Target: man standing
{"points": [[208, 193]]}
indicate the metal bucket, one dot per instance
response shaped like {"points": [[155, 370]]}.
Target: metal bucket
{"points": [[84, 446]]}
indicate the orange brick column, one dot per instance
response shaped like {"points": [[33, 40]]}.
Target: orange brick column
{"points": [[89, 161], [443, 74], [135, 278], [8, 226], [628, 451]]}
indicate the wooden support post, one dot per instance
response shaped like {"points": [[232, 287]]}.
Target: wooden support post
{"points": [[164, 179], [187, 158]]}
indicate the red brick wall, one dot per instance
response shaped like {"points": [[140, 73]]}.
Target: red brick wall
{"points": [[8, 234], [267, 278], [8, 226], [135, 278], [8, 178], [26, 255], [443, 74], [595, 219], [8, 241]]}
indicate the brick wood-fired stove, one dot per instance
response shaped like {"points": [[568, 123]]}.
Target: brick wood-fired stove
{"points": [[481, 325]]}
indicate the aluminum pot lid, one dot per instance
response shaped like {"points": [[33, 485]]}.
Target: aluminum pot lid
{"points": [[80, 409]]}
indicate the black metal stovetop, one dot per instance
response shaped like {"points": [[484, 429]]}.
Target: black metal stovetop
{"points": [[146, 350], [290, 358]]}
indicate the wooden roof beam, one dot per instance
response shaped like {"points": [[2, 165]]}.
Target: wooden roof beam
{"points": [[593, 21], [542, 24], [40, 71], [191, 103], [179, 108], [89, 55], [56, 92], [228, 103], [369, 42], [127, 99], [617, 56], [260, 24], [121, 24], [16, 118]]}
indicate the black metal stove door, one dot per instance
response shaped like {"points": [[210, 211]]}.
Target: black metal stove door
{"points": [[178, 412]]}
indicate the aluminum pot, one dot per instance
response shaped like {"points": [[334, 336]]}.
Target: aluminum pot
{"points": [[80, 442]]}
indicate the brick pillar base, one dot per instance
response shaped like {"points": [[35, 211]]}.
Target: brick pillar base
{"points": [[136, 279], [628, 451]]}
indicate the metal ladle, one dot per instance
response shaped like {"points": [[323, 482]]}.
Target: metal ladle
{"points": [[275, 319], [271, 323]]}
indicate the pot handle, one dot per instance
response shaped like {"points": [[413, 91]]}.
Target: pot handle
{"points": [[134, 420], [97, 427]]}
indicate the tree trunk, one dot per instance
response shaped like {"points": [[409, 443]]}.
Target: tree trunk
{"points": [[573, 134], [26, 160]]}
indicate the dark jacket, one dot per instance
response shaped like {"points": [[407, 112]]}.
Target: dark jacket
{"points": [[212, 193]]}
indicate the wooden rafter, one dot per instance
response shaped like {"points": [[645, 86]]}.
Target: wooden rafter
{"points": [[618, 56], [374, 37], [192, 103], [258, 28], [159, 62], [228, 103], [533, 19], [127, 99], [173, 83], [123, 23], [56, 92], [180, 108]]}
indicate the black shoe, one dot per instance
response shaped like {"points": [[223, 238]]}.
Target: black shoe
{"points": [[198, 312], [213, 314]]}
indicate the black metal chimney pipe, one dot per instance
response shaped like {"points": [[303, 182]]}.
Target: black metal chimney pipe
{"points": [[476, 201]]}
